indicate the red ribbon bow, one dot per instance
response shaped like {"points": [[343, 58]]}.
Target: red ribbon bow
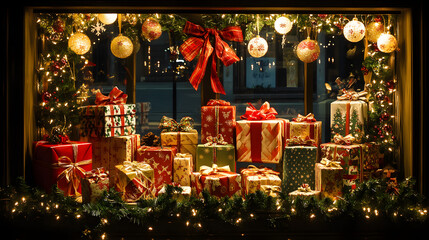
{"points": [[200, 44], [218, 102], [264, 113], [115, 97], [308, 118]]}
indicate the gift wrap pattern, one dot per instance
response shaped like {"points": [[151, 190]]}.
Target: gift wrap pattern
{"points": [[329, 180], [349, 117], [304, 193], [185, 142], [220, 184], [298, 166], [134, 180], [311, 130], [259, 140], [161, 160], [63, 165], [254, 178], [94, 184], [222, 155], [182, 169], [217, 120]]}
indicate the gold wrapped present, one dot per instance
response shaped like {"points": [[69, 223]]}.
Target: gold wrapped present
{"points": [[253, 179], [182, 169]]}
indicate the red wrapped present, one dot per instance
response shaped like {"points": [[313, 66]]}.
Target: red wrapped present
{"points": [[94, 184], [218, 117], [161, 160], [219, 181], [61, 164]]}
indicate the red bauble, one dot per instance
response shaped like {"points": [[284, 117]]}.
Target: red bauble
{"points": [[46, 96], [385, 116], [390, 85], [58, 26]]}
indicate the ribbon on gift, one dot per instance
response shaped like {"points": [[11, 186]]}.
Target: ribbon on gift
{"points": [[170, 125], [139, 169], [97, 174], [344, 140], [271, 190], [329, 163], [265, 112], [218, 102], [72, 173], [304, 188], [300, 141], [200, 45], [214, 169], [213, 141], [252, 170], [352, 95], [115, 97], [308, 118]]}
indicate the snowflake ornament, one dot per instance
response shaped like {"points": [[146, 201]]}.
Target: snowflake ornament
{"points": [[98, 28]]}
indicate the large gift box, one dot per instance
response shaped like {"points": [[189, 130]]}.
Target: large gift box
{"points": [[134, 180], [112, 151], [218, 181], [253, 178], [215, 152], [298, 166], [304, 127], [62, 164], [329, 178], [260, 137], [179, 134], [350, 157], [94, 184], [349, 115], [161, 160], [182, 169], [304, 192], [218, 117]]}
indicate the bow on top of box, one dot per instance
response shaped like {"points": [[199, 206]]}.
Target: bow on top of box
{"points": [[170, 125], [213, 141], [346, 140], [308, 118], [253, 170], [352, 95], [206, 170], [264, 113], [115, 97], [200, 45], [301, 141], [218, 102]]}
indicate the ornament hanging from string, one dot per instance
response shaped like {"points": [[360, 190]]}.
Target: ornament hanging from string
{"points": [[354, 31], [308, 50], [121, 46], [257, 46], [107, 18], [79, 43], [151, 29], [283, 26], [386, 42]]}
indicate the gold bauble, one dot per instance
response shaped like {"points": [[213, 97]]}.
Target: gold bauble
{"points": [[374, 30], [79, 43], [308, 50], [387, 43], [107, 18], [121, 46]]}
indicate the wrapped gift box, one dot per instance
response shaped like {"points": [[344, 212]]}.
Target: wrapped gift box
{"points": [[185, 142], [218, 181], [304, 192], [222, 155], [350, 157], [182, 169], [161, 160], [90, 131], [94, 184], [329, 178], [372, 156], [61, 164], [134, 180], [298, 166], [271, 190], [218, 117], [109, 152], [349, 117], [253, 178], [179, 196], [273, 166], [304, 127]]}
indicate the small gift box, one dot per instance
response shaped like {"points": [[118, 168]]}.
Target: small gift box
{"points": [[218, 181], [372, 156], [271, 190], [182, 195], [179, 134], [63, 164], [304, 191], [218, 117], [94, 184], [304, 127], [260, 137], [215, 151], [253, 178], [134, 180], [161, 160], [349, 114], [182, 169], [329, 178]]}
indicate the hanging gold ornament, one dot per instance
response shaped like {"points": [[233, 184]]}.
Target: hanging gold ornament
{"points": [[308, 50], [79, 43], [151, 29], [387, 43], [374, 30], [121, 46], [354, 31], [107, 18]]}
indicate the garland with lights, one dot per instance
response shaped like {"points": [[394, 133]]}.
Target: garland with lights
{"points": [[375, 200]]}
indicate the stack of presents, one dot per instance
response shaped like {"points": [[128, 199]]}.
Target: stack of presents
{"points": [[270, 151]]}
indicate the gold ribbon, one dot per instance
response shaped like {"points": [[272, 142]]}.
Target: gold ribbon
{"points": [[307, 118], [329, 163], [352, 95], [346, 140], [206, 170], [213, 141], [72, 172], [304, 188], [137, 167], [253, 170], [183, 155]]}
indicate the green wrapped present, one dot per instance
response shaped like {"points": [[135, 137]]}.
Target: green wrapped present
{"points": [[212, 153], [298, 166]]}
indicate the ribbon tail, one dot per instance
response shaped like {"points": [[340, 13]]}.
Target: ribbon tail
{"points": [[214, 78], [200, 69]]}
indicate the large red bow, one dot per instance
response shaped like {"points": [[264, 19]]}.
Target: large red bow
{"points": [[218, 102], [115, 97], [200, 44], [264, 113]]}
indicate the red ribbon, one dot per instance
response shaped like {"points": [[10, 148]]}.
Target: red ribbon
{"points": [[115, 97], [218, 102], [200, 45], [264, 113]]}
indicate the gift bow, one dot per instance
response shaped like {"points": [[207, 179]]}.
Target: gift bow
{"points": [[329, 163], [170, 125], [264, 113], [346, 140], [352, 95], [115, 97], [301, 118], [97, 174], [253, 170], [183, 155], [200, 45], [304, 188], [137, 167], [72, 172], [218, 102], [206, 170], [213, 141], [300, 141]]}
